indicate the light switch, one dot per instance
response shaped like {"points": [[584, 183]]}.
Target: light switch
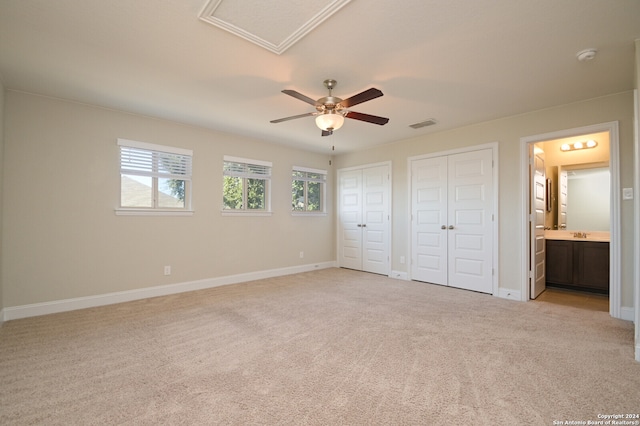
{"points": [[627, 193]]}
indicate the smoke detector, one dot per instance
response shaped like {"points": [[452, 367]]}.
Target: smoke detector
{"points": [[586, 54]]}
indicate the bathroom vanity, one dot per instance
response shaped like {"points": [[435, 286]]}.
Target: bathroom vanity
{"points": [[578, 260]]}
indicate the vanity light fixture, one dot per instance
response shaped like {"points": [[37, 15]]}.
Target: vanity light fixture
{"points": [[576, 146]]}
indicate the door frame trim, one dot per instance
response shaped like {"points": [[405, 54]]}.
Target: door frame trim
{"points": [[615, 287], [494, 146], [390, 218]]}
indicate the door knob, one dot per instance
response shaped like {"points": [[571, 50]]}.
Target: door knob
{"points": [[450, 226], [364, 225], [443, 227], [359, 225]]}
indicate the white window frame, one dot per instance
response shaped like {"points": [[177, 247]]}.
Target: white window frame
{"points": [[268, 166], [155, 175], [323, 201]]}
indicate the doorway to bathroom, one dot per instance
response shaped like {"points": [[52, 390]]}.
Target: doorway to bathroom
{"points": [[572, 215]]}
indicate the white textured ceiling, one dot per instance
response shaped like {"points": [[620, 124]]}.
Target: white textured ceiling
{"points": [[458, 61]]}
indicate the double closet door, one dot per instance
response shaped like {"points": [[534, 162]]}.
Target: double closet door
{"points": [[452, 199], [363, 229]]}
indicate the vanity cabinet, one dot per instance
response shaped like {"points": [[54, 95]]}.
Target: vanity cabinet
{"points": [[582, 265]]}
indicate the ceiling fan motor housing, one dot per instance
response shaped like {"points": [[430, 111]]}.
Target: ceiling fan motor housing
{"points": [[330, 103]]}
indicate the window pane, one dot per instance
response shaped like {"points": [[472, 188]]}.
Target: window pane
{"points": [[256, 191], [314, 196], [297, 195], [232, 193], [136, 191], [171, 193]]}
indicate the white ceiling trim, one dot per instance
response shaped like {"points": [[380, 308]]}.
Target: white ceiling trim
{"points": [[208, 14]]}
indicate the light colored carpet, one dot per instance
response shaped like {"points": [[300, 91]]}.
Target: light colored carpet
{"points": [[327, 347]]}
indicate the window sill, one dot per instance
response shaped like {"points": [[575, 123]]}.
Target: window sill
{"points": [[245, 213], [315, 214], [153, 212]]}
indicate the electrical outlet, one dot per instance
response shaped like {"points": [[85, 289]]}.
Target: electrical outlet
{"points": [[301, 254], [627, 193], [402, 260], [167, 270]]}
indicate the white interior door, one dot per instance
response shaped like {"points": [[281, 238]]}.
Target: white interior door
{"points": [[364, 233], [452, 220], [471, 216], [375, 223], [538, 205], [429, 220], [350, 229]]}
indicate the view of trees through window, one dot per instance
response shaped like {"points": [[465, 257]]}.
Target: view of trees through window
{"points": [[245, 184], [306, 191], [234, 194]]}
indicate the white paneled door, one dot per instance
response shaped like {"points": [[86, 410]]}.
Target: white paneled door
{"points": [[538, 206], [452, 200], [364, 203]]}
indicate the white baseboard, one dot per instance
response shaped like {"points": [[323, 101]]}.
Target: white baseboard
{"points": [[507, 293], [627, 314], [56, 306], [399, 275]]}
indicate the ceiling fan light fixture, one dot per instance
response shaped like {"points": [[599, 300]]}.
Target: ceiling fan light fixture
{"points": [[329, 120]]}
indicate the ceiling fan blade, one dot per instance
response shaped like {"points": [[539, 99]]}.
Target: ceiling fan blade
{"points": [[368, 118], [300, 96], [293, 117], [361, 97], [327, 132]]}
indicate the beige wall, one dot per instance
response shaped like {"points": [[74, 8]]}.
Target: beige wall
{"points": [[507, 132], [63, 240]]}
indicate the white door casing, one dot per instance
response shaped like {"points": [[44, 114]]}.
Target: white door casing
{"points": [[615, 286]]}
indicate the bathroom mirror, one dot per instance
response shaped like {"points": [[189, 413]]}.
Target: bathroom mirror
{"points": [[586, 198]]}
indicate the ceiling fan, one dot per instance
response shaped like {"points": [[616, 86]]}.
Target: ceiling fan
{"points": [[331, 110]]}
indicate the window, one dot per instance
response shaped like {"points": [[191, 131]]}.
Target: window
{"points": [[308, 190], [154, 177], [246, 186]]}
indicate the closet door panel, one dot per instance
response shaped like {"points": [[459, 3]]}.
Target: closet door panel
{"points": [[429, 220], [470, 255]]}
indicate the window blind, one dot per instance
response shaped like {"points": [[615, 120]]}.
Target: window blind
{"points": [[142, 159], [240, 167], [308, 175]]}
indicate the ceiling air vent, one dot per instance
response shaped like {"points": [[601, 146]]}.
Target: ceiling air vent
{"points": [[425, 123]]}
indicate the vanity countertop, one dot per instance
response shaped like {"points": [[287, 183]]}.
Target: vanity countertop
{"points": [[597, 236]]}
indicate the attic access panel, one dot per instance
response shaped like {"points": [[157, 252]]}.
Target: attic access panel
{"points": [[275, 25]]}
